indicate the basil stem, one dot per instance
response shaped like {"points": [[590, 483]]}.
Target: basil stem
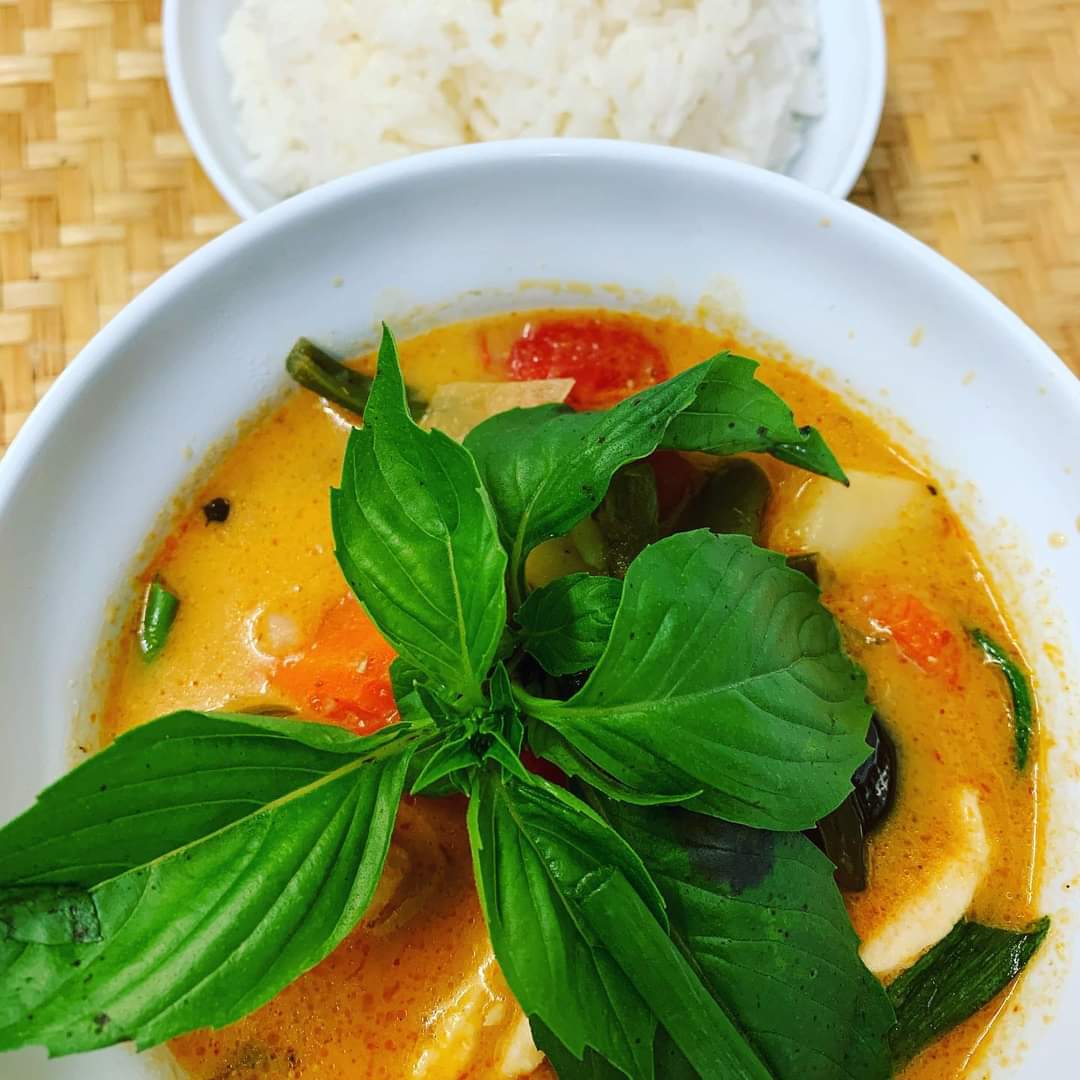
{"points": [[1019, 689], [159, 612], [956, 978], [319, 372]]}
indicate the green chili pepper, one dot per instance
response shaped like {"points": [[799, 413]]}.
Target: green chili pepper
{"points": [[159, 612]]}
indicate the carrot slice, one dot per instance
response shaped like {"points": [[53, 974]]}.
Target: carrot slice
{"points": [[918, 632], [343, 673]]}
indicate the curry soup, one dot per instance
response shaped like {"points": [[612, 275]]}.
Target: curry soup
{"points": [[266, 620]]}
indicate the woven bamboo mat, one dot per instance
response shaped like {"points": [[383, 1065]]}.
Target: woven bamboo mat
{"points": [[979, 155]]}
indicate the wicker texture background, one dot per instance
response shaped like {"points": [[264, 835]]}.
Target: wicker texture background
{"points": [[979, 154]]}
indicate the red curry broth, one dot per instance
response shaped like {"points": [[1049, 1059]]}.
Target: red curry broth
{"points": [[266, 619]]}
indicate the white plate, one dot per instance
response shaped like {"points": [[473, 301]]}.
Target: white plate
{"points": [[456, 232], [837, 145]]}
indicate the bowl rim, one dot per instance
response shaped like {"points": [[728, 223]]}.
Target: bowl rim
{"points": [[845, 174], [93, 358]]}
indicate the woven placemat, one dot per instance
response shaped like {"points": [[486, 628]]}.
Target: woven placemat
{"points": [[979, 155]]}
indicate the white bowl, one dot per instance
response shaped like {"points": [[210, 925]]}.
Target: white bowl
{"points": [[456, 232], [837, 145]]}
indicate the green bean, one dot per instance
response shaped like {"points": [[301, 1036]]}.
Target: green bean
{"points": [[317, 371]]}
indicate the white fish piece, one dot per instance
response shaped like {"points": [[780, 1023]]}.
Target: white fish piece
{"points": [[930, 914], [457, 407], [521, 1057]]}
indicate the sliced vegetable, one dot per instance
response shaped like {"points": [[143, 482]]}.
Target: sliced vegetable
{"points": [[629, 516], [842, 834], [733, 500], [955, 979], [842, 837], [919, 633], [839, 522], [159, 613], [457, 407], [317, 371], [876, 780], [343, 673], [607, 362], [1019, 689]]}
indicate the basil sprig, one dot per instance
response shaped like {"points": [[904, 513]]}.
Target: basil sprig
{"points": [[183, 876]]}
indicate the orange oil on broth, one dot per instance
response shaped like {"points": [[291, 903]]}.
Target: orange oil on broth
{"points": [[413, 992]]}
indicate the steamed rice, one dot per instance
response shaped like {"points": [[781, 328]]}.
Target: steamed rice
{"points": [[325, 87]]}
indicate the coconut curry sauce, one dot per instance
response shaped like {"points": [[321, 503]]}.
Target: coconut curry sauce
{"points": [[266, 620]]}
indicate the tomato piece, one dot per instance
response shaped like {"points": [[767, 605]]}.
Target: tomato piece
{"points": [[343, 673], [542, 767], [608, 362], [919, 633]]}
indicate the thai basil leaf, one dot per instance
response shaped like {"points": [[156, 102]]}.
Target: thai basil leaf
{"points": [[549, 744], [547, 467], [48, 915], [970, 966], [733, 413], [723, 673], [680, 1000], [568, 1067], [565, 624], [213, 859], [416, 539], [1019, 689], [760, 917], [533, 844], [444, 769]]}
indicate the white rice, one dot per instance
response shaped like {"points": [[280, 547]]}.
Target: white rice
{"points": [[325, 87]]}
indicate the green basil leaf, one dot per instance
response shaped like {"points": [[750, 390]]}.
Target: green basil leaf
{"points": [[222, 855], [698, 1026], [547, 467], [547, 743], [568, 1067], [48, 915], [1019, 690], [970, 966], [533, 844], [723, 673], [761, 918], [445, 768], [566, 624], [733, 413], [416, 539]]}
